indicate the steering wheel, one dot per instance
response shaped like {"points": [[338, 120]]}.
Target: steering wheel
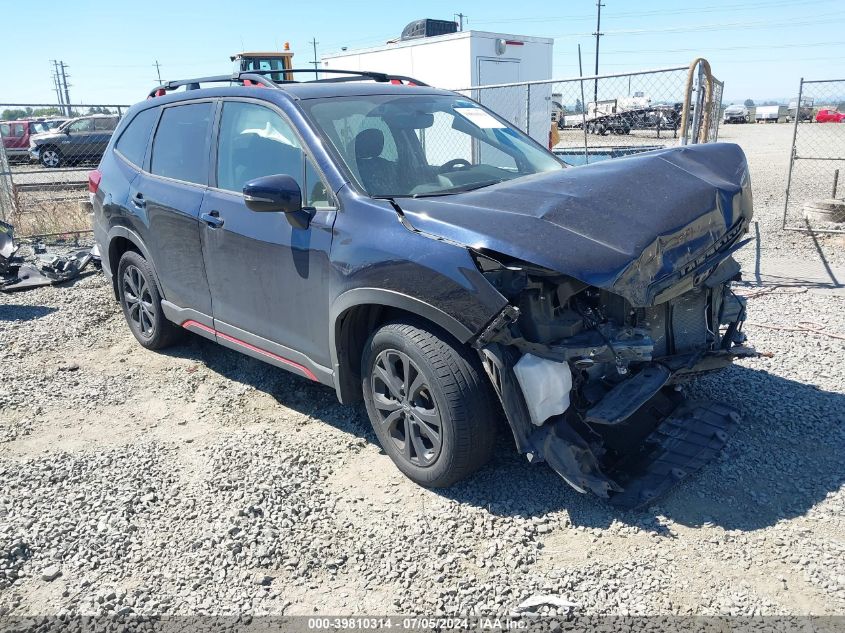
{"points": [[455, 163]]}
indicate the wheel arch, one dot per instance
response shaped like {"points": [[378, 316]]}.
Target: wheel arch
{"points": [[354, 316], [122, 239]]}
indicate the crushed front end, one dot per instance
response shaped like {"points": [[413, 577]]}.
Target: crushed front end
{"points": [[617, 278], [589, 379]]}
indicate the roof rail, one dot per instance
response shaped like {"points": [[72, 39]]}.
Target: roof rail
{"points": [[256, 77], [349, 75], [195, 84]]}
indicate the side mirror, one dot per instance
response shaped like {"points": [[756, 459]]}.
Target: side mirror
{"points": [[273, 193], [278, 193]]}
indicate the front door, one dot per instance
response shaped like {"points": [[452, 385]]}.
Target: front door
{"points": [[268, 280], [77, 138]]}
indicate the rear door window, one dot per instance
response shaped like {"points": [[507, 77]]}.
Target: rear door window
{"points": [[132, 143], [180, 147], [105, 125]]}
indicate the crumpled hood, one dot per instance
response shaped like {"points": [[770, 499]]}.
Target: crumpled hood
{"points": [[631, 225]]}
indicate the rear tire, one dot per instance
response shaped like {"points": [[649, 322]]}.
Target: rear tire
{"points": [[140, 300], [429, 402]]}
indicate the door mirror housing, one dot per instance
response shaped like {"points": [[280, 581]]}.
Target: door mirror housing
{"points": [[274, 193]]}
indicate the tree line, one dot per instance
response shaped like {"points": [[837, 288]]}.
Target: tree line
{"points": [[12, 114]]}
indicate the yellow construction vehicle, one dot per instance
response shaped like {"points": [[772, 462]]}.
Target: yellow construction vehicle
{"points": [[281, 61]]}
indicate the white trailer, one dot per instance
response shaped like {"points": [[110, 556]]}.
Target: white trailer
{"points": [[468, 59], [774, 114]]}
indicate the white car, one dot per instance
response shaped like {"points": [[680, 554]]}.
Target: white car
{"points": [[736, 114]]}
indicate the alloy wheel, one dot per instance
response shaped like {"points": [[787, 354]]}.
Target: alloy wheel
{"points": [[406, 408], [139, 301], [50, 158]]}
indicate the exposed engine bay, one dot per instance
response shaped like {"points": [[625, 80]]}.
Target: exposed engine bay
{"points": [[589, 381]]}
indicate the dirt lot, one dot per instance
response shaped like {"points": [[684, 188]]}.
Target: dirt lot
{"points": [[202, 481]]}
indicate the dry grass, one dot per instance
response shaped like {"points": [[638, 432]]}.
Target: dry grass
{"points": [[51, 212]]}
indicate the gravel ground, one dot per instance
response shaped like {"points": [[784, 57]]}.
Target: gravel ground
{"points": [[202, 481]]}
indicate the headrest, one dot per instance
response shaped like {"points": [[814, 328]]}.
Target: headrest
{"points": [[369, 143]]}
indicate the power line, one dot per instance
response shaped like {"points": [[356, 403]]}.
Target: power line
{"points": [[708, 49], [702, 28], [658, 12]]}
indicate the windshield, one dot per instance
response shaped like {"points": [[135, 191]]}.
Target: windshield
{"points": [[38, 128], [420, 145]]}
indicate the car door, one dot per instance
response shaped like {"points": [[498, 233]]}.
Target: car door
{"points": [[76, 138], [19, 136], [168, 195], [268, 280], [99, 139]]}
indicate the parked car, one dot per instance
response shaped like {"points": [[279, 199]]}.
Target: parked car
{"points": [[16, 136], [736, 114], [411, 249], [80, 139], [830, 116], [804, 113]]}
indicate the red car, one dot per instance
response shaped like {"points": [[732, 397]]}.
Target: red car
{"points": [[830, 116], [16, 136]]}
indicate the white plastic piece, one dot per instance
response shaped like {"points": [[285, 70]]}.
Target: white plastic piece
{"points": [[545, 384], [532, 603]]}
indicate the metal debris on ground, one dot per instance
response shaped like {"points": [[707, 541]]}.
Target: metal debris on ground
{"points": [[45, 266], [7, 246], [532, 604]]}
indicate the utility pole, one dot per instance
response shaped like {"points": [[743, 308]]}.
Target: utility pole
{"points": [[63, 67], [158, 72], [598, 34], [55, 76], [460, 20], [316, 63]]}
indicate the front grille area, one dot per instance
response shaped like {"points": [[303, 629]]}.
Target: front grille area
{"points": [[689, 321]]}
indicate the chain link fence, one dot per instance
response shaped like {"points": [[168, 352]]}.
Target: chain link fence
{"points": [[815, 188], [48, 150], [589, 119]]}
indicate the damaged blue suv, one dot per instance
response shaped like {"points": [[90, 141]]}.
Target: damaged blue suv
{"points": [[411, 249]]}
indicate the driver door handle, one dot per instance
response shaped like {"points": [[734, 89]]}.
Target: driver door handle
{"points": [[212, 219]]}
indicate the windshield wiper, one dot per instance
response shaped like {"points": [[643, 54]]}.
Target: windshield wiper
{"points": [[461, 189]]}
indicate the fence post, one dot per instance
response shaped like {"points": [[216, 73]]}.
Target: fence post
{"points": [[792, 153], [528, 112], [7, 198]]}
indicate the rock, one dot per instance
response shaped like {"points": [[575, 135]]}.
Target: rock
{"points": [[51, 573]]}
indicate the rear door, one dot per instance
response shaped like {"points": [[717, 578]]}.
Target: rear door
{"points": [[19, 136], [169, 195], [268, 280], [99, 139]]}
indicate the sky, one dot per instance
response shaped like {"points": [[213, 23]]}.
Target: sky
{"points": [[760, 48]]}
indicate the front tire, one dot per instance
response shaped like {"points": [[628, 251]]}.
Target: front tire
{"points": [[429, 403], [140, 300], [50, 157]]}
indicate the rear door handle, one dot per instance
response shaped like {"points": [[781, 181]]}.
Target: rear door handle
{"points": [[212, 219], [138, 200]]}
